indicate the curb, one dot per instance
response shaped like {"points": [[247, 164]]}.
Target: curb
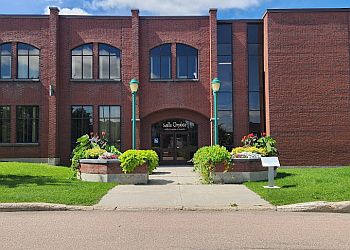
{"points": [[317, 206], [17, 207]]}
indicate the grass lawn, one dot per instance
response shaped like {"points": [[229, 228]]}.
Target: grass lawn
{"points": [[31, 182], [304, 185]]}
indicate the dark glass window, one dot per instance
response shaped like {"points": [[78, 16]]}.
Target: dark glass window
{"points": [[82, 62], [109, 122], [255, 78], [160, 60], [225, 74], [81, 121], [27, 124], [28, 61], [5, 61], [5, 124], [187, 62], [109, 62]]}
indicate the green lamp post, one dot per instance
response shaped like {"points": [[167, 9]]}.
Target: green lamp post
{"points": [[215, 85], [134, 85]]}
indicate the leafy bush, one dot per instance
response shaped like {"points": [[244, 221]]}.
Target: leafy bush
{"points": [[236, 151], [151, 157], [207, 157], [131, 159], [94, 153], [83, 144], [269, 144]]}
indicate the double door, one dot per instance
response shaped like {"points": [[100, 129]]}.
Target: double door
{"points": [[174, 147]]}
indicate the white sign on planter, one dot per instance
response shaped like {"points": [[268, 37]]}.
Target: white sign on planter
{"points": [[270, 163]]}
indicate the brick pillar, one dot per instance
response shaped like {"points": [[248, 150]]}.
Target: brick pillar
{"points": [[213, 60], [240, 82], [135, 23], [53, 157]]}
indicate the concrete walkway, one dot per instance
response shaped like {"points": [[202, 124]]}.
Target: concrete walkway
{"points": [[178, 187]]}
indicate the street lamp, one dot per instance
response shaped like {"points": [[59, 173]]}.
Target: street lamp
{"points": [[215, 85], [134, 85]]}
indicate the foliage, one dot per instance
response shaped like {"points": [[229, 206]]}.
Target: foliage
{"points": [[35, 182], [94, 153], [151, 157], [83, 144], [130, 160], [236, 151], [269, 144], [207, 157], [249, 140], [102, 142], [299, 185]]}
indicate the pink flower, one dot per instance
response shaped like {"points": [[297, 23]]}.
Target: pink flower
{"points": [[103, 133]]}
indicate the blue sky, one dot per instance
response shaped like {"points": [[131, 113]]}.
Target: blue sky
{"points": [[227, 8]]}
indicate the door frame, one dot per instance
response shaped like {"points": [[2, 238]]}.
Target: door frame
{"points": [[174, 161]]}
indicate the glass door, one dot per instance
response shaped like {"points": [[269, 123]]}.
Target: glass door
{"points": [[167, 146]]}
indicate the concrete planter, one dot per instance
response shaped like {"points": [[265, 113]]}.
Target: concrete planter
{"points": [[97, 170], [241, 171]]}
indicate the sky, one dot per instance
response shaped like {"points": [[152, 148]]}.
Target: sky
{"points": [[227, 9]]}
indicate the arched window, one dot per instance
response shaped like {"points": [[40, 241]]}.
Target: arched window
{"points": [[28, 61], [5, 61], [160, 60], [187, 62], [82, 62], [109, 62]]}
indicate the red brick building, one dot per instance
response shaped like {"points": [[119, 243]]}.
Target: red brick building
{"points": [[286, 74]]}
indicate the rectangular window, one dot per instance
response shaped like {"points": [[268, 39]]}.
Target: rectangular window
{"points": [[81, 122], [27, 124], [109, 122], [5, 124], [5, 61]]}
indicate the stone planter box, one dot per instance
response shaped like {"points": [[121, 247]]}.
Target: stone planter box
{"points": [[243, 170], [97, 170]]}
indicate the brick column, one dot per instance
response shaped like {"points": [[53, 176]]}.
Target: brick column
{"points": [[135, 24], [213, 60], [53, 157], [240, 82]]}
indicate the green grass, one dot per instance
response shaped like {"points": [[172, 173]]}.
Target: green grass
{"points": [[30, 182], [304, 185]]}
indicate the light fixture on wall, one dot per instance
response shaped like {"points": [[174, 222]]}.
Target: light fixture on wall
{"points": [[51, 90]]}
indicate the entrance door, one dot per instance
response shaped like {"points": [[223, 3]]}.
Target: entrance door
{"points": [[174, 147]]}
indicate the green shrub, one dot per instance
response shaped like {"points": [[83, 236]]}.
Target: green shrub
{"points": [[151, 157], [83, 144], [94, 153], [131, 159], [238, 150], [269, 144], [207, 157]]}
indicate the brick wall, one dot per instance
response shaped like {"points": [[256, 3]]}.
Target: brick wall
{"points": [[308, 97]]}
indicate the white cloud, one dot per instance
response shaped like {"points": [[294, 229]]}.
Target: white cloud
{"points": [[67, 11], [173, 7]]}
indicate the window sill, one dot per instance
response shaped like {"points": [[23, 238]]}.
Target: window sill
{"points": [[19, 80], [174, 80], [19, 144], [96, 80]]}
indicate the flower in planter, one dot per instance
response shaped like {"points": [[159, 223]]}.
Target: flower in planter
{"points": [[108, 155], [248, 155]]}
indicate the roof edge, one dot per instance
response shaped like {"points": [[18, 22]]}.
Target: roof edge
{"points": [[296, 10]]}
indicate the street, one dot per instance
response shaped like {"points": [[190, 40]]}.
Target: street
{"points": [[174, 230]]}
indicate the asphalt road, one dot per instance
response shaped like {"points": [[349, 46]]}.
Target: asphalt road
{"points": [[173, 230]]}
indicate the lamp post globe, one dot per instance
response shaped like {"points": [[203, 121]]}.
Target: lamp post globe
{"points": [[215, 85]]}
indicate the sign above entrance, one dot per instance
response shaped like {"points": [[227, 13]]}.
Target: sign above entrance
{"points": [[174, 126]]}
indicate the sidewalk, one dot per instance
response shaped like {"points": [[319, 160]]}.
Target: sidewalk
{"points": [[178, 187]]}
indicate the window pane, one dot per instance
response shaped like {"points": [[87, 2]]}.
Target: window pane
{"points": [[81, 122], [27, 124], [5, 122], [22, 49], [225, 120], [33, 51], [225, 59], [225, 72], [5, 49], [5, 71], [115, 67], [87, 67], [87, 49], [34, 67], [165, 67], [224, 33], [87, 113], [115, 130], [225, 100], [77, 51], [76, 67], [104, 126], [181, 50], [22, 66], [104, 67], [103, 49], [192, 67], [155, 51], [254, 49], [255, 33], [224, 49], [254, 73], [165, 50], [182, 67], [104, 112], [254, 116], [115, 112], [155, 67], [254, 101]]}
